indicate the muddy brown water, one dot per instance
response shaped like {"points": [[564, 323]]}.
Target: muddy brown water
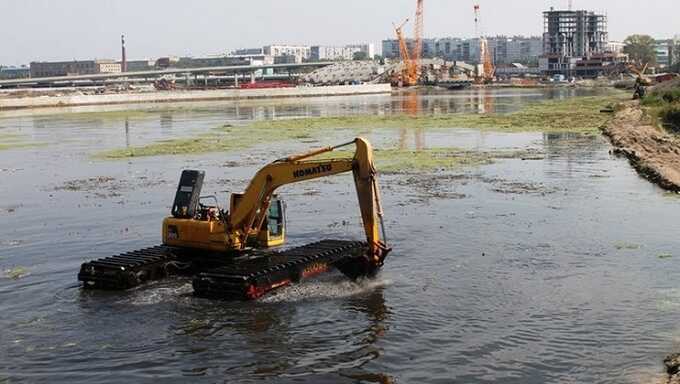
{"points": [[559, 269]]}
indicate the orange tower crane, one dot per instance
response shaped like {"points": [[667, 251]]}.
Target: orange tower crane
{"points": [[418, 46], [411, 58], [488, 70], [409, 72]]}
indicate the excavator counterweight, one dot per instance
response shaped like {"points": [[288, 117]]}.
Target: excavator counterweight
{"points": [[230, 252]]}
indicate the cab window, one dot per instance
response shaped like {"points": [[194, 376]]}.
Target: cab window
{"points": [[275, 218]]}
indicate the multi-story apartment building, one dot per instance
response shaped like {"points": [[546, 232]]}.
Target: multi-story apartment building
{"points": [[11, 73], [666, 54], [347, 52], [503, 49], [67, 68], [301, 52]]}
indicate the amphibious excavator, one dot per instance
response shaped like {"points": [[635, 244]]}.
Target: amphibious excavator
{"points": [[231, 253]]}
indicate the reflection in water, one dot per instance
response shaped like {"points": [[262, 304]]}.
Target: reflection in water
{"points": [[378, 313], [410, 102], [487, 103], [410, 105], [472, 100], [568, 154], [127, 132], [166, 122], [418, 138], [39, 124], [284, 340]]}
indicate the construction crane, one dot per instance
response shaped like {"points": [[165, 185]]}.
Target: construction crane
{"points": [[409, 71], [476, 8], [418, 29], [488, 71]]}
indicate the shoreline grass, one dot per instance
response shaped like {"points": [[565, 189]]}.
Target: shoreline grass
{"points": [[662, 104]]}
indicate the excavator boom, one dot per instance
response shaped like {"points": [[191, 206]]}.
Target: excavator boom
{"points": [[249, 210]]}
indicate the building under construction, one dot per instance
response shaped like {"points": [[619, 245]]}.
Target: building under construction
{"points": [[576, 43], [574, 33]]}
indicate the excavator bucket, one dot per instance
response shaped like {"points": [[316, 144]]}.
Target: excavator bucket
{"points": [[361, 266]]}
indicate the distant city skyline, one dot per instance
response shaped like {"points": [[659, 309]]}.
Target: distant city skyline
{"points": [[84, 29]]}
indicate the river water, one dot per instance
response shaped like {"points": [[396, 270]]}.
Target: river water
{"points": [[557, 269]]}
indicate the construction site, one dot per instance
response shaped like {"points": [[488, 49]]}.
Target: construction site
{"points": [[573, 51], [412, 69]]}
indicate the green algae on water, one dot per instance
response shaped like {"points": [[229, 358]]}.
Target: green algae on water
{"points": [[5, 146], [223, 139], [396, 160], [622, 245], [578, 114], [14, 141], [16, 273]]}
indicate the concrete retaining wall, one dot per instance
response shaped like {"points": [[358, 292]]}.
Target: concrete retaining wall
{"points": [[178, 96]]}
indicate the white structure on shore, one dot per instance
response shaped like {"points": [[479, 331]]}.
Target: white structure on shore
{"points": [[347, 52]]}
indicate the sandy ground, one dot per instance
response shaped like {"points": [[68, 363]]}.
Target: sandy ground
{"points": [[654, 153]]}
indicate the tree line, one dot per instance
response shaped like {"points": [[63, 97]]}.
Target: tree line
{"points": [[641, 49]]}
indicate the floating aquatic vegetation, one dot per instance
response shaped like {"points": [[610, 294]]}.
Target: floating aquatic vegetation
{"points": [[579, 114], [16, 273], [622, 245]]}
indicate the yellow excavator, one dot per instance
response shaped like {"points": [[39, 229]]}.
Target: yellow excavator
{"points": [[229, 253], [641, 81]]}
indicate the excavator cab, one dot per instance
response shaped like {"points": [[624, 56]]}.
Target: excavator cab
{"points": [[273, 232]]}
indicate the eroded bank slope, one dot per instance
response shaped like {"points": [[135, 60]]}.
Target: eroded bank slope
{"points": [[653, 152]]}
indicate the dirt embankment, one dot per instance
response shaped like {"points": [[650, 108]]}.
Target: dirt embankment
{"points": [[672, 364], [654, 153]]}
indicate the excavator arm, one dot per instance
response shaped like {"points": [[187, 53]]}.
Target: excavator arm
{"points": [[248, 210]]}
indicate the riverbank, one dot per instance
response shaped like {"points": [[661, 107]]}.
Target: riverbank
{"points": [[644, 134], [69, 100]]}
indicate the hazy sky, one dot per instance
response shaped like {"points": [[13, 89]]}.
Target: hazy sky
{"points": [[84, 29]]}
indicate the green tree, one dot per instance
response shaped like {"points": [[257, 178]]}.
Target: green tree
{"points": [[641, 49], [675, 55], [361, 55], [675, 68]]}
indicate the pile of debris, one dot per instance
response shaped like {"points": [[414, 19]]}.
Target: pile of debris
{"points": [[342, 73]]}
